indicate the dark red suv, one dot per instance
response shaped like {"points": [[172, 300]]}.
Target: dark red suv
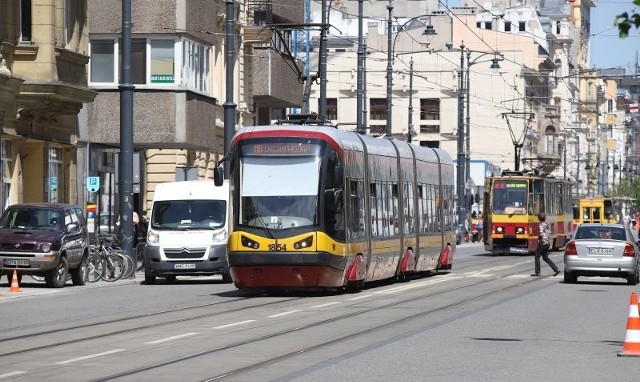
{"points": [[44, 239]]}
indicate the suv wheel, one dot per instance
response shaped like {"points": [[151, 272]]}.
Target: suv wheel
{"points": [[57, 277], [79, 275]]}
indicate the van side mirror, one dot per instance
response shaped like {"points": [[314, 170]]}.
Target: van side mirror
{"points": [[218, 176]]}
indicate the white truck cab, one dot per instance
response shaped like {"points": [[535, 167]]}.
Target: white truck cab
{"points": [[188, 231]]}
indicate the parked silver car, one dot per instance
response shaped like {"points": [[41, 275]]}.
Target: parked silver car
{"points": [[607, 250]]}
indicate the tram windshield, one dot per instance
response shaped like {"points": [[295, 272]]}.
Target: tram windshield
{"points": [[510, 197], [278, 192]]}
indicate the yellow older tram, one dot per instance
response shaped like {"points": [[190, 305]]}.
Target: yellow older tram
{"points": [[315, 207], [513, 201]]}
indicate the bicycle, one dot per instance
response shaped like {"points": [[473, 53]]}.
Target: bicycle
{"points": [[105, 263]]}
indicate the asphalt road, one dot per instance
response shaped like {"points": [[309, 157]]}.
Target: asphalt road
{"points": [[487, 320]]}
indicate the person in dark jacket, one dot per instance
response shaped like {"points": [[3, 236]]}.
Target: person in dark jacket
{"points": [[544, 242]]}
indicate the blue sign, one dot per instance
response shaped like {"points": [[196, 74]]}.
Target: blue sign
{"points": [[93, 183]]}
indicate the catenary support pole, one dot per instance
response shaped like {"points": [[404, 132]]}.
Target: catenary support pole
{"points": [[229, 106], [126, 138]]}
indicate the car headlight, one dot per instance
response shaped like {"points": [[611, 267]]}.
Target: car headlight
{"points": [[153, 237], [220, 236], [46, 247]]}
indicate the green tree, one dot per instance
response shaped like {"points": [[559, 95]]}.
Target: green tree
{"points": [[626, 20]]}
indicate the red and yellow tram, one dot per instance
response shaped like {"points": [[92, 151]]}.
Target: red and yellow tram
{"points": [[317, 207], [512, 203]]}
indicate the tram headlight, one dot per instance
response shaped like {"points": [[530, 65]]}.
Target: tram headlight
{"points": [[304, 243], [499, 229], [246, 242], [519, 230]]}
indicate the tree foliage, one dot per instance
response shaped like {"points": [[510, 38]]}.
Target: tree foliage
{"points": [[626, 20]]}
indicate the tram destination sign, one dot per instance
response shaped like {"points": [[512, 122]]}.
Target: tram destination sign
{"points": [[509, 184], [281, 148]]}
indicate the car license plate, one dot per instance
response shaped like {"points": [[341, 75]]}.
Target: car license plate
{"points": [[184, 266], [16, 262], [601, 251]]}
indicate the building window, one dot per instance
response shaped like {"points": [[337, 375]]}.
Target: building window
{"points": [[609, 105], [378, 108], [25, 20], [432, 144], [102, 61], [332, 109], [162, 63], [430, 129], [478, 24], [550, 139], [522, 26], [488, 25], [6, 173], [53, 188], [154, 63], [377, 129], [430, 109], [507, 26]]}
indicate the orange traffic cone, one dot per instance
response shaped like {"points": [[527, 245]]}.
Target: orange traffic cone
{"points": [[15, 286], [631, 346]]}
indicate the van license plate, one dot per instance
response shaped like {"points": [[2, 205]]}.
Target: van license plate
{"points": [[16, 262], [184, 266]]}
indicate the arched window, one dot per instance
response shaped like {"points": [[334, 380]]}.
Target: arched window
{"points": [[550, 138]]}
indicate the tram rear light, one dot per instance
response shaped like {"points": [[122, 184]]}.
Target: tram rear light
{"points": [[629, 251], [570, 249]]}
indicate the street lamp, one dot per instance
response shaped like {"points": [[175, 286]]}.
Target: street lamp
{"points": [[429, 32], [495, 66]]}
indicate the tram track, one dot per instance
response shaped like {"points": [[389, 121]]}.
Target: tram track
{"points": [[105, 327], [301, 328]]}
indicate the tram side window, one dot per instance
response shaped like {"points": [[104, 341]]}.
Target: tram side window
{"points": [[421, 211], [395, 216], [355, 213], [432, 208], [408, 209], [386, 209], [374, 209]]}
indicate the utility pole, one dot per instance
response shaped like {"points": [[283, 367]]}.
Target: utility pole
{"points": [[126, 138], [410, 128], [229, 106], [360, 85], [322, 113], [389, 66], [460, 186]]}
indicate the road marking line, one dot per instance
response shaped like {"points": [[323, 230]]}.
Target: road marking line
{"points": [[170, 338], [234, 324], [327, 304], [89, 356], [12, 374], [283, 313], [359, 297]]}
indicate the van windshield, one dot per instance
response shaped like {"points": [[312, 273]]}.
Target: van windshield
{"points": [[188, 214]]}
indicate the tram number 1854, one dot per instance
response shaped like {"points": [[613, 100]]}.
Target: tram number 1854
{"points": [[277, 247]]}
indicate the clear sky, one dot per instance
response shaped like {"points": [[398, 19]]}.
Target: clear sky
{"points": [[608, 50]]}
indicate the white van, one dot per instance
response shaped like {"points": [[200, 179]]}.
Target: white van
{"points": [[188, 231]]}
